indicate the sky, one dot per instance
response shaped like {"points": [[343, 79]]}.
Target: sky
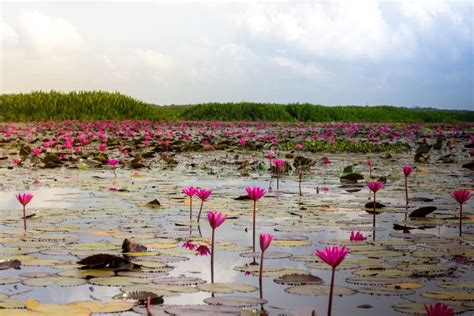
{"points": [[339, 52]]}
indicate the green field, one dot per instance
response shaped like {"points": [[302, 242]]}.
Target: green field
{"points": [[94, 105]]}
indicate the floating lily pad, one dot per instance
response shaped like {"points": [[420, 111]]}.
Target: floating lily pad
{"points": [[386, 291], [59, 280], [99, 307], [226, 287], [118, 281], [449, 295], [237, 301], [315, 290], [204, 310], [179, 281], [298, 279]]}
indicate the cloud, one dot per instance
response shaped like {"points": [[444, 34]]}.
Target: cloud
{"points": [[49, 37], [7, 34], [152, 58], [307, 70]]}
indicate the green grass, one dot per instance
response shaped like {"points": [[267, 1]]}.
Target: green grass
{"points": [[94, 105]]}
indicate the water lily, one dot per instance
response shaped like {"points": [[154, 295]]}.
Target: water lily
{"points": [[332, 256], [438, 310], [461, 196], [255, 194], [265, 241], [279, 163], [357, 236], [215, 220], [407, 170], [190, 191], [202, 250], [24, 199], [369, 163], [189, 245], [203, 195], [375, 186], [113, 163]]}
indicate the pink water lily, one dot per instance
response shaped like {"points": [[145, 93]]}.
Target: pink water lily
{"points": [[299, 147], [369, 163], [203, 195], [438, 310], [189, 245], [461, 196], [37, 151], [24, 199], [374, 186], [190, 191], [279, 164], [255, 194], [357, 236], [215, 220], [203, 250], [333, 256], [407, 170], [265, 241], [113, 163]]}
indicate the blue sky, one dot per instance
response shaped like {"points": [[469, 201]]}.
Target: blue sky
{"points": [[405, 52]]}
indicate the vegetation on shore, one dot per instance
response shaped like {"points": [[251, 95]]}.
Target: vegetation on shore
{"points": [[99, 105]]}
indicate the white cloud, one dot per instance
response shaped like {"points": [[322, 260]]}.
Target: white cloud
{"points": [[7, 34], [425, 12], [152, 58], [348, 30], [308, 70], [49, 37]]}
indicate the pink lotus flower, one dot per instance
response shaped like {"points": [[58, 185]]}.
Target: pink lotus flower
{"points": [[113, 162], [461, 196], [203, 195], [326, 161], [102, 147], [279, 163], [299, 147], [189, 191], [333, 256], [203, 250], [17, 162], [265, 241], [216, 219], [438, 310], [369, 163], [37, 151], [357, 236], [242, 141], [255, 193], [407, 170], [24, 199], [375, 186], [189, 245], [269, 155]]}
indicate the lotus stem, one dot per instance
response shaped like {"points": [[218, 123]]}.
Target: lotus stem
{"points": [[200, 210], [254, 211], [24, 217], [212, 255], [331, 291]]}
